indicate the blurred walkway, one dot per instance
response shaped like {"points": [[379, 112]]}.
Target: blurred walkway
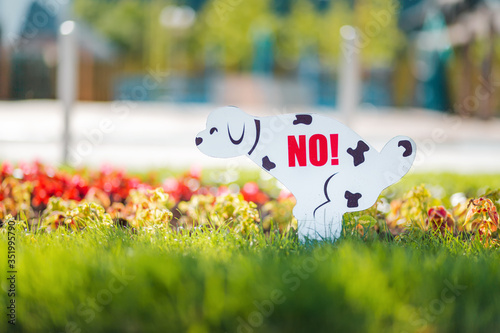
{"points": [[141, 136]]}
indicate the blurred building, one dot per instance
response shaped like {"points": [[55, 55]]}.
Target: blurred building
{"points": [[28, 60]]}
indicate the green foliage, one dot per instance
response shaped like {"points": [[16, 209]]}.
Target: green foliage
{"points": [[338, 15], [197, 210], [380, 38], [213, 280], [229, 29], [233, 210], [299, 32], [19, 201], [279, 215], [228, 210], [149, 208], [231, 26], [121, 21], [416, 204]]}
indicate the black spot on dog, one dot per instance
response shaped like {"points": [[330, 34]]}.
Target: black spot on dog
{"points": [[305, 119], [407, 146], [352, 199], [267, 164], [198, 141], [358, 153]]}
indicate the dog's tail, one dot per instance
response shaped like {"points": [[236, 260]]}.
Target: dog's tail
{"points": [[397, 157]]}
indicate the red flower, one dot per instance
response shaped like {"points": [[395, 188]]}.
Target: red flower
{"points": [[6, 170], [182, 188], [252, 192], [439, 219], [285, 195]]}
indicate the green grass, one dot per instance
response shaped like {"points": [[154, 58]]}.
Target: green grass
{"points": [[115, 280], [216, 281]]}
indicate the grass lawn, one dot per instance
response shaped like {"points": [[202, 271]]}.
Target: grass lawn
{"points": [[206, 280]]}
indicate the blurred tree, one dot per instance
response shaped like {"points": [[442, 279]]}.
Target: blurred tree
{"points": [[338, 15], [380, 38], [299, 32], [227, 25], [134, 26], [156, 41], [121, 21]]}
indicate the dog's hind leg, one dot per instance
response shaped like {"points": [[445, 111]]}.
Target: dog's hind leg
{"points": [[328, 222], [306, 230], [320, 219], [304, 211]]}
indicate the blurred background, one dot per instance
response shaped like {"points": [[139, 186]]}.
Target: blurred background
{"points": [[130, 82]]}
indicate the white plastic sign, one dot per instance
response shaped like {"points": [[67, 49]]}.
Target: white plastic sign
{"points": [[329, 168]]}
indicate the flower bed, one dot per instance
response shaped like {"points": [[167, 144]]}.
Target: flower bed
{"points": [[48, 198]]}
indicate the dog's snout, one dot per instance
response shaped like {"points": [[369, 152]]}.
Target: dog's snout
{"points": [[198, 141]]}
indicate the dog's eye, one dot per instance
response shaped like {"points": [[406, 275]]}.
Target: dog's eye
{"points": [[212, 130]]}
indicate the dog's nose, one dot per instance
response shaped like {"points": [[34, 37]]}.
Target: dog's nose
{"points": [[198, 141]]}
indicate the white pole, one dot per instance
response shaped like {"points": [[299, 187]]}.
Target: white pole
{"points": [[349, 83], [67, 77]]}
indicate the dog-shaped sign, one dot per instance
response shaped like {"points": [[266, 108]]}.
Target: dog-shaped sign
{"points": [[329, 168]]}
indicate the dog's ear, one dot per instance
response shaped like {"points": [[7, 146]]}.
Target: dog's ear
{"points": [[236, 126], [236, 139]]}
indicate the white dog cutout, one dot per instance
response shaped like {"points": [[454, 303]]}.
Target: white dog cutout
{"points": [[327, 166]]}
